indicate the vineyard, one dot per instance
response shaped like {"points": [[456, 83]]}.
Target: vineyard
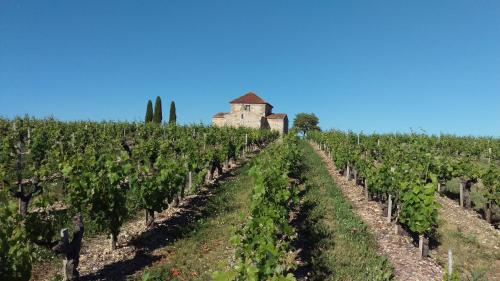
{"points": [[98, 175], [407, 174], [204, 203], [407, 170]]}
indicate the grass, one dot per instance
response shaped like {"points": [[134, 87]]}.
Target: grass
{"points": [[452, 191], [342, 246], [207, 248], [471, 259]]}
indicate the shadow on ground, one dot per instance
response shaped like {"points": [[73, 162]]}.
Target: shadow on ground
{"points": [[166, 232]]}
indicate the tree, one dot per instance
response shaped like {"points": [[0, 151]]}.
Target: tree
{"points": [[305, 122], [149, 112], [173, 116], [157, 115]]}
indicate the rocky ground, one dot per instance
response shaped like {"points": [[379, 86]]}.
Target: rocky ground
{"points": [[137, 246], [400, 250]]}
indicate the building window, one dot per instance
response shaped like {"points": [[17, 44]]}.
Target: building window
{"points": [[247, 107], [241, 116]]}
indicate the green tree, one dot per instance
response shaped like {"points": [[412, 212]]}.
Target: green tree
{"points": [[149, 112], [173, 115], [305, 122], [157, 115]]}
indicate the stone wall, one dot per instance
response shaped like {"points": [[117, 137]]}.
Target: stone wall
{"points": [[219, 121], [260, 109], [280, 125], [241, 119]]}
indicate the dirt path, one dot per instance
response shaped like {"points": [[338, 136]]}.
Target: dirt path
{"points": [[399, 249], [139, 247]]}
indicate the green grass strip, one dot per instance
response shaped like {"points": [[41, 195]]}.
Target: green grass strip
{"points": [[205, 247], [341, 246]]}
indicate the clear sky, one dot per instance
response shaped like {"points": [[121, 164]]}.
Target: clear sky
{"points": [[378, 65]]}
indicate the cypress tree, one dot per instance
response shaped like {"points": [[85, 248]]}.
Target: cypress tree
{"points": [[149, 112], [157, 115], [173, 116]]}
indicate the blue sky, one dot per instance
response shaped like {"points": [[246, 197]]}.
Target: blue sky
{"points": [[375, 66]]}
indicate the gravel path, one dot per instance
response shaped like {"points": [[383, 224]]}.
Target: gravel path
{"points": [[399, 249]]}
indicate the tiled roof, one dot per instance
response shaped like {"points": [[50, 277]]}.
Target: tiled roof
{"points": [[250, 98], [277, 116], [219, 115]]}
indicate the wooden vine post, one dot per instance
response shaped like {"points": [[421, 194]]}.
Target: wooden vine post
{"points": [[488, 212], [423, 245], [467, 190], [23, 204], [204, 142], [150, 218], [450, 264], [461, 194], [22, 195], [113, 241], [367, 194], [190, 181], [246, 141], [389, 210]]}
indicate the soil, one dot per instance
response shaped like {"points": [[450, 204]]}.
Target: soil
{"points": [[485, 239], [400, 250], [137, 246]]}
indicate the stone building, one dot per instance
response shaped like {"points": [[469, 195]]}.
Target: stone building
{"points": [[252, 111]]}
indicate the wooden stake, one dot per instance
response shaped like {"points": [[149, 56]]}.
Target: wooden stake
{"points": [[112, 242], [204, 142], [29, 137], [450, 264], [347, 172], [461, 194], [421, 245], [439, 187], [65, 240], [389, 210], [488, 211], [190, 181], [367, 197]]}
